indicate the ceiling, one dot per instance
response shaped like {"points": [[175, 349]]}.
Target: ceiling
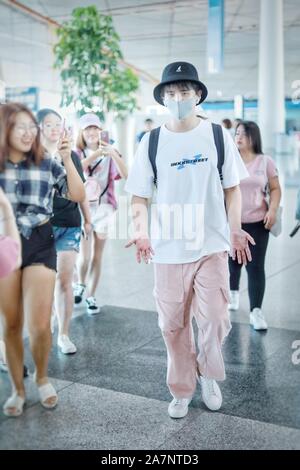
{"points": [[153, 33]]}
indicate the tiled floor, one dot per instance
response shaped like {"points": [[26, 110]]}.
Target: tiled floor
{"points": [[112, 393]]}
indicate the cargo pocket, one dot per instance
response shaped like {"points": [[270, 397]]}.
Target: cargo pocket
{"points": [[213, 319], [213, 302], [169, 296], [226, 324], [226, 295]]}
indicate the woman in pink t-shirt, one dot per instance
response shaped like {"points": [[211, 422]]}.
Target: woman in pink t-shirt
{"points": [[257, 218]]}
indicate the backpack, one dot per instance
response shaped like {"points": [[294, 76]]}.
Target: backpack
{"points": [[92, 186], [218, 139]]}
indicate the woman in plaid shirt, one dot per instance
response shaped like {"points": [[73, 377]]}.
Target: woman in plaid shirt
{"points": [[29, 177]]}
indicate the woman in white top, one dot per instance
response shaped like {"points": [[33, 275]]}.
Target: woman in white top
{"points": [[102, 165]]}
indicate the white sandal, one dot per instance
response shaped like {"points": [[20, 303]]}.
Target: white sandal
{"points": [[14, 405], [47, 391]]}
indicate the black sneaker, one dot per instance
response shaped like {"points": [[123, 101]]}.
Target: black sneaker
{"points": [[78, 293], [4, 368], [91, 306], [25, 371]]}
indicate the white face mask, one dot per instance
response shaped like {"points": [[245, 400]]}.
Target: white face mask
{"points": [[181, 109]]}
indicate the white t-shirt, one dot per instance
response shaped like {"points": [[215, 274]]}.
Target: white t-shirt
{"points": [[188, 217]]}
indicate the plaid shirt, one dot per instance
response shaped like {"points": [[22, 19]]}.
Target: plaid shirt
{"points": [[30, 189]]}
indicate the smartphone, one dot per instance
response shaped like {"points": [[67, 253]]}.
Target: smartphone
{"points": [[63, 129], [104, 136], [69, 130]]}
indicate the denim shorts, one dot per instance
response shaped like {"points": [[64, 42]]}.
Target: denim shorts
{"points": [[67, 238]]}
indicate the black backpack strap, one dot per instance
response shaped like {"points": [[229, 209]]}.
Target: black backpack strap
{"points": [[103, 192], [152, 151], [219, 142], [92, 169]]}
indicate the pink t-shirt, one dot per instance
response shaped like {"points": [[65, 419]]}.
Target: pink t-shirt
{"points": [[9, 251], [254, 207]]}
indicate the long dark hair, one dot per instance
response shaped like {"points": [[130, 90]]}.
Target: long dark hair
{"points": [[8, 113], [43, 113], [253, 133]]}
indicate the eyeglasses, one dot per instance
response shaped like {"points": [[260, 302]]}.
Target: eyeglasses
{"points": [[57, 126], [21, 130]]}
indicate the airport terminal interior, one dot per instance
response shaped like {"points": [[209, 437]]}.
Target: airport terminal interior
{"points": [[112, 392]]}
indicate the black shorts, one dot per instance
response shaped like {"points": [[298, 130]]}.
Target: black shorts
{"points": [[40, 248]]}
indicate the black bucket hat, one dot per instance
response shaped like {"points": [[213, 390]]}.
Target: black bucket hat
{"points": [[175, 72]]}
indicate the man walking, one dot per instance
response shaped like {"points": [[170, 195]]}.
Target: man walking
{"points": [[189, 166]]}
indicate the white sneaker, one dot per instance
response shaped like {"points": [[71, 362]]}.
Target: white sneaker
{"points": [[234, 300], [52, 323], [65, 344], [3, 365], [78, 293], [91, 306], [257, 319], [211, 393], [178, 408]]}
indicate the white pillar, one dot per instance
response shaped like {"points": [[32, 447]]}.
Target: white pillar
{"points": [[2, 91], [271, 97], [126, 137], [125, 129]]}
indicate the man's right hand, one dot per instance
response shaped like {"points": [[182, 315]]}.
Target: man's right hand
{"points": [[143, 248]]}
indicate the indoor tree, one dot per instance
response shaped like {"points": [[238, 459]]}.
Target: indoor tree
{"points": [[87, 55]]}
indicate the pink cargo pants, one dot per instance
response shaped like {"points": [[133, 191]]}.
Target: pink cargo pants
{"points": [[183, 291]]}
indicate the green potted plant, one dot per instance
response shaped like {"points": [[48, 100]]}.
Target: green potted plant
{"points": [[87, 54]]}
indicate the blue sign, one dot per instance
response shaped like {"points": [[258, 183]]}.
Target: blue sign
{"points": [[28, 96], [215, 37]]}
